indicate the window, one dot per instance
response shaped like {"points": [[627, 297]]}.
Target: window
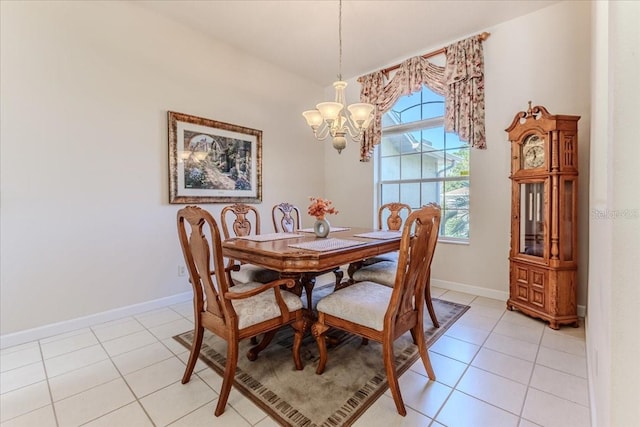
{"points": [[419, 163]]}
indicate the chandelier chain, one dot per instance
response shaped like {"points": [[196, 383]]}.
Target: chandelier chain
{"points": [[340, 40], [337, 120]]}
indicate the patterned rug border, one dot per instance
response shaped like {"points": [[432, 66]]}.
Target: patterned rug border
{"points": [[350, 411]]}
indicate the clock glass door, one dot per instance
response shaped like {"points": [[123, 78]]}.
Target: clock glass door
{"points": [[532, 219]]}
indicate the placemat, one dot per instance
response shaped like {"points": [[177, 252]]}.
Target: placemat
{"points": [[322, 245], [381, 234], [270, 236], [310, 230]]}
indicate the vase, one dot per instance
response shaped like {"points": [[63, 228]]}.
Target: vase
{"points": [[321, 227]]}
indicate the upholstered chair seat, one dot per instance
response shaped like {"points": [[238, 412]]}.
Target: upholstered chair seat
{"points": [[252, 273], [383, 272], [261, 307], [389, 256], [364, 303]]}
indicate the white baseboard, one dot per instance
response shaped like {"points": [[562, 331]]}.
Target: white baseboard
{"points": [[484, 292], [582, 311], [17, 338], [470, 289]]}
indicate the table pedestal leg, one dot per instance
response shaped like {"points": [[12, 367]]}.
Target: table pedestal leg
{"points": [[297, 288], [304, 281], [308, 281]]}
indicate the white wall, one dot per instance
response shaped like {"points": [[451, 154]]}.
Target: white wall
{"points": [[543, 57], [86, 223], [86, 226], [613, 341]]}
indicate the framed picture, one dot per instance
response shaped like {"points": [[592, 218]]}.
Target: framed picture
{"points": [[213, 162]]}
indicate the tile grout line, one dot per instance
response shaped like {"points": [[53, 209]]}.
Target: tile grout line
{"points": [[433, 420], [556, 370], [470, 365], [88, 329], [526, 391], [46, 376], [173, 355], [499, 352], [109, 357], [454, 388], [216, 394], [121, 376], [535, 360]]}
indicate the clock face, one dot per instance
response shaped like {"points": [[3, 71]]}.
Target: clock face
{"points": [[533, 152]]}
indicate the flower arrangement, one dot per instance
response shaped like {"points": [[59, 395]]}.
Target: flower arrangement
{"points": [[320, 207]]}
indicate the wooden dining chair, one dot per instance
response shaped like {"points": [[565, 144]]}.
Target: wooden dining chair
{"points": [[382, 269], [231, 313], [380, 313], [391, 215], [244, 220], [287, 219]]}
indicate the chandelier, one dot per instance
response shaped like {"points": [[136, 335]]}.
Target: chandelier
{"points": [[335, 119]]}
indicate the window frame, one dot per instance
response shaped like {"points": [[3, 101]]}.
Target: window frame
{"points": [[421, 125]]}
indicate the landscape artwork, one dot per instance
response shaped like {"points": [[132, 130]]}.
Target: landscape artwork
{"points": [[213, 162]]}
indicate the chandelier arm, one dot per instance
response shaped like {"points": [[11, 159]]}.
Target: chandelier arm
{"points": [[322, 132], [353, 131], [352, 128]]}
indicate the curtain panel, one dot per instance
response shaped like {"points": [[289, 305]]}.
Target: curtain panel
{"points": [[460, 81]]}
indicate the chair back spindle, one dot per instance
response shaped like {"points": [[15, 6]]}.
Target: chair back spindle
{"points": [[395, 213], [286, 218], [197, 253], [419, 239], [246, 219]]}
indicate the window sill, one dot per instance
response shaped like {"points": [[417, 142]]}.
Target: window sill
{"points": [[454, 242]]}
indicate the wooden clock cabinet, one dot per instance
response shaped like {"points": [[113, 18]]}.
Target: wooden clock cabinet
{"points": [[544, 186]]}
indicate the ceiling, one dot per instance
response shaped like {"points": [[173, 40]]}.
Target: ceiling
{"points": [[301, 36]]}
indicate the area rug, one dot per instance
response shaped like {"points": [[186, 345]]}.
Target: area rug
{"points": [[353, 379]]}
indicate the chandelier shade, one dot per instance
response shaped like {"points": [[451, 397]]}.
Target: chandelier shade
{"points": [[336, 119], [361, 113]]}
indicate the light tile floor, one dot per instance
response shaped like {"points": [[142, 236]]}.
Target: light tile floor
{"points": [[494, 368]]}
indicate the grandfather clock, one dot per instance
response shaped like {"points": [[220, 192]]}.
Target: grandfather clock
{"points": [[544, 186]]}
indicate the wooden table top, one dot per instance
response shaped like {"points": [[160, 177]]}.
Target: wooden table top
{"points": [[278, 255]]}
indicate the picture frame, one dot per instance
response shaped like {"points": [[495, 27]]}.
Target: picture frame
{"points": [[212, 161]]}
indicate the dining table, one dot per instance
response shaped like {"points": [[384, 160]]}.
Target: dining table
{"points": [[302, 256]]}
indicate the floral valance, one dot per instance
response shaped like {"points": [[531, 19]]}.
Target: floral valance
{"points": [[460, 81]]}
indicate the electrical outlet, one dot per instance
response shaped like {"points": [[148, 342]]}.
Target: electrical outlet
{"points": [[182, 270]]}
